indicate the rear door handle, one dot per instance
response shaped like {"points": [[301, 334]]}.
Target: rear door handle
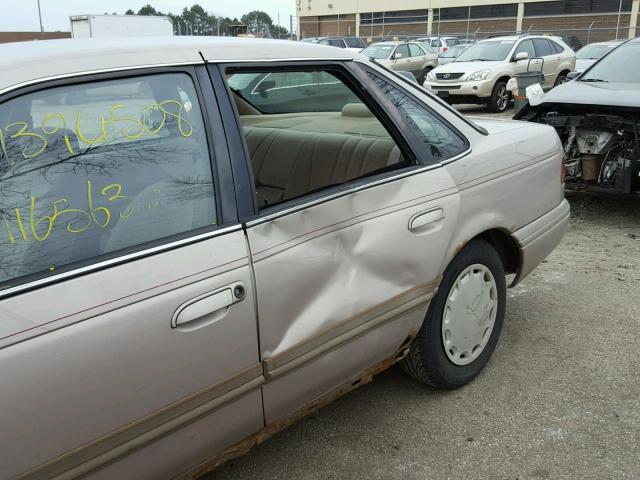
{"points": [[423, 219], [207, 308]]}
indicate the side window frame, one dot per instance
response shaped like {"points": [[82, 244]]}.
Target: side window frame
{"points": [[242, 167], [517, 50], [362, 71], [219, 162]]}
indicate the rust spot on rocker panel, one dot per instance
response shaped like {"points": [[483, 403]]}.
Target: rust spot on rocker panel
{"points": [[244, 446]]}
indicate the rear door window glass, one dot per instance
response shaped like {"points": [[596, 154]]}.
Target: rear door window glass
{"points": [[313, 135], [415, 50], [543, 47], [90, 169], [556, 47], [403, 50]]}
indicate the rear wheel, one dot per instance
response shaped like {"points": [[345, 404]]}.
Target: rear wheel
{"points": [[423, 75], [562, 78], [463, 322], [500, 96]]}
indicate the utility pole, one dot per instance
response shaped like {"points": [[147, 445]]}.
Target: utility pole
{"points": [[619, 13], [278, 25], [218, 26], [40, 18], [291, 26]]}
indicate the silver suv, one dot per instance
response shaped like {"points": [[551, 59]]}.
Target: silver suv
{"points": [[481, 73]]}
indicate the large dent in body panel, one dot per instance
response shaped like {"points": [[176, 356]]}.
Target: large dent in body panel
{"points": [[317, 267]]}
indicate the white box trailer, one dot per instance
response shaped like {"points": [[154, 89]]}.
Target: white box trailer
{"points": [[101, 26]]}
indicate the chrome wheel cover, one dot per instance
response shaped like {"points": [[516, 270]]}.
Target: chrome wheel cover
{"points": [[469, 314], [503, 98]]}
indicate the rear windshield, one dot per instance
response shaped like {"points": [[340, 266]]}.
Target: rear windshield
{"points": [[378, 51], [620, 66], [486, 51]]}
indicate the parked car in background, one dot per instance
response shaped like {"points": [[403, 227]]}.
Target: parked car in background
{"points": [[451, 54], [310, 40], [442, 44], [350, 43], [597, 117], [183, 277], [587, 56], [405, 56], [480, 74]]}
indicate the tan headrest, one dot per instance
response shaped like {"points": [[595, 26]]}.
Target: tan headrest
{"points": [[356, 110]]}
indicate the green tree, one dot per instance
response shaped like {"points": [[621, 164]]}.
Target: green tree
{"points": [[129, 12], [149, 10]]}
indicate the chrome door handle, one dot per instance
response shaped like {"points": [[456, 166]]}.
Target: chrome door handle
{"points": [[424, 219], [208, 308]]}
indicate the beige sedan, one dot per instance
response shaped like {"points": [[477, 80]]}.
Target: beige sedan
{"points": [[404, 56], [205, 239]]}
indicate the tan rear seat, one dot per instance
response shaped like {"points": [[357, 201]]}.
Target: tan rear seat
{"points": [[288, 163]]}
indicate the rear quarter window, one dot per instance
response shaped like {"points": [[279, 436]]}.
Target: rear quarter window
{"points": [[90, 169]]}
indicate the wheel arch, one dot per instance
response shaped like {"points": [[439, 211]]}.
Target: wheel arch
{"points": [[506, 247], [502, 241]]}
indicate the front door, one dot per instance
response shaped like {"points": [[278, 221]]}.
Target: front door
{"points": [[127, 302], [348, 243]]}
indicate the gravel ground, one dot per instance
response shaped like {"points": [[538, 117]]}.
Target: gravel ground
{"points": [[559, 399]]}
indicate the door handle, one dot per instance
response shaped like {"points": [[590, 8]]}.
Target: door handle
{"points": [[207, 308], [423, 219]]}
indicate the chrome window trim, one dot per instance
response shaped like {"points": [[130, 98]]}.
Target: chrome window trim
{"points": [[81, 73], [280, 60], [316, 201], [9, 291]]}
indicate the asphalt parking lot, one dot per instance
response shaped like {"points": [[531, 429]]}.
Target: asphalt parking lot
{"points": [[559, 399]]}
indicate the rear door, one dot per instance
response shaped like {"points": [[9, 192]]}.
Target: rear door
{"points": [[348, 240], [128, 342], [406, 62], [418, 59]]}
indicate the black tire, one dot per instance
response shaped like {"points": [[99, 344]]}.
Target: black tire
{"points": [[427, 361], [498, 103], [562, 78], [423, 75]]}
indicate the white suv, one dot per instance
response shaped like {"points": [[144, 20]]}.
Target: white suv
{"points": [[481, 73]]}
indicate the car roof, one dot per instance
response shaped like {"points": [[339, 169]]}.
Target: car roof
{"points": [[26, 62], [612, 42]]}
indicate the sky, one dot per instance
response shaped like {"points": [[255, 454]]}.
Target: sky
{"points": [[22, 15]]}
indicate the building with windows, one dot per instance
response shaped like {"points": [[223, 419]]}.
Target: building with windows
{"points": [[587, 20]]}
